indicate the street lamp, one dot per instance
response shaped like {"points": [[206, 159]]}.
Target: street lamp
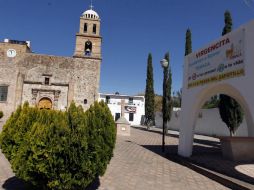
{"points": [[164, 64]]}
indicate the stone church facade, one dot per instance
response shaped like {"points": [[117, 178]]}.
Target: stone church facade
{"points": [[52, 82]]}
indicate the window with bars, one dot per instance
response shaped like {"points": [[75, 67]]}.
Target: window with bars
{"points": [[3, 93]]}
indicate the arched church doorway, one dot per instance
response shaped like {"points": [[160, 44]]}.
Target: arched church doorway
{"points": [[45, 103]]}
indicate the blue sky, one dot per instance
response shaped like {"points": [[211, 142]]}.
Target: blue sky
{"points": [[130, 30]]}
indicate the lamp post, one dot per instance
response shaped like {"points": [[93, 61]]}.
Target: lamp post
{"points": [[164, 64]]}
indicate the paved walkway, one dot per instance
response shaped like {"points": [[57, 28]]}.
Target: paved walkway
{"points": [[5, 170], [138, 164]]}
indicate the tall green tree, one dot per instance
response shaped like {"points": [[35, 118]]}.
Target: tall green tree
{"points": [[188, 50], [188, 43], [179, 96], [230, 111], [149, 94], [167, 101], [228, 23]]}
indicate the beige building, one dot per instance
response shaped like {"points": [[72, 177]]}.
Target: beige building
{"points": [[52, 82]]}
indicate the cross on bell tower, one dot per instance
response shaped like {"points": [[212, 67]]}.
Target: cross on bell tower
{"points": [[91, 6], [88, 39]]}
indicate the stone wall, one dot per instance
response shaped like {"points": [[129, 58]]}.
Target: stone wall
{"points": [[77, 79], [80, 45], [33, 93]]}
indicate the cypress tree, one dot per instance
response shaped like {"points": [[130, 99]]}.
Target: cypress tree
{"points": [[188, 43], [179, 96], [149, 93], [188, 50], [230, 111], [228, 23], [167, 100]]}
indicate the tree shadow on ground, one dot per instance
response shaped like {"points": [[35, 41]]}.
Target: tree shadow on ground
{"points": [[198, 141], [94, 185], [212, 160], [206, 154], [15, 183]]}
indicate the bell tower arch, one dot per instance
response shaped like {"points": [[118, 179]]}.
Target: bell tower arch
{"points": [[88, 39]]}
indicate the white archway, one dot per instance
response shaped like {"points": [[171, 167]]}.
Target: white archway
{"points": [[238, 81]]}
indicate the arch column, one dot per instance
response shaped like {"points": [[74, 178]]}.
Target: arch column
{"points": [[249, 114], [187, 125]]}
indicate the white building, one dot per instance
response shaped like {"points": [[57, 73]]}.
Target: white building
{"points": [[134, 106]]}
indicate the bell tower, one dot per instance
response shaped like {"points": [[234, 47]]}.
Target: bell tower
{"points": [[88, 39]]}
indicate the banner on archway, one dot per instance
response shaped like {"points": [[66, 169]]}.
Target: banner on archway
{"points": [[218, 61]]}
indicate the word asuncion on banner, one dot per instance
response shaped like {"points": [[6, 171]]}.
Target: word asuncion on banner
{"points": [[221, 60]]}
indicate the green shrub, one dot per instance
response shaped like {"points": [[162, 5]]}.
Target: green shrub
{"points": [[101, 139], [59, 150], [1, 114]]}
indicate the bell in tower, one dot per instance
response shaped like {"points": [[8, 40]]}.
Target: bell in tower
{"points": [[88, 48], [88, 39]]}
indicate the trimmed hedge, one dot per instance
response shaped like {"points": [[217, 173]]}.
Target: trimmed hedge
{"points": [[59, 150]]}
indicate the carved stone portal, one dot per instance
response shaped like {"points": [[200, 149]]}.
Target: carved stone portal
{"points": [[45, 98]]}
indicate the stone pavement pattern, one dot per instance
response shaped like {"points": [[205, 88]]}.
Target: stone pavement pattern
{"points": [[134, 166], [5, 170], [137, 165]]}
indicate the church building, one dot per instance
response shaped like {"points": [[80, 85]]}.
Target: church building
{"points": [[52, 82]]}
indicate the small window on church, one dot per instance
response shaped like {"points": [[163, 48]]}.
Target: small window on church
{"points": [[85, 101], [46, 81], [94, 28], [3, 93], [85, 27]]}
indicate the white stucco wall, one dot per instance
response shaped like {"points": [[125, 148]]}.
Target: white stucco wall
{"points": [[209, 123]]}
